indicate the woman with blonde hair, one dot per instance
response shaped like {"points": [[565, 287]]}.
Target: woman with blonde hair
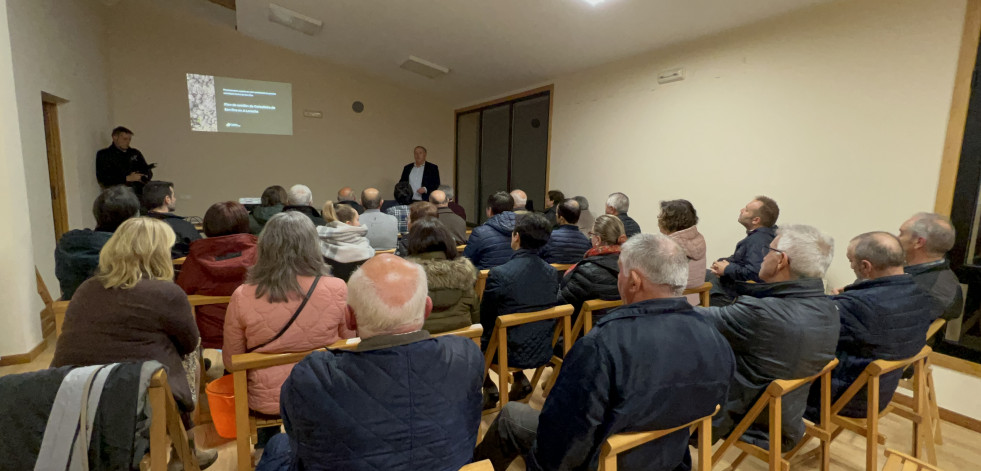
{"points": [[595, 277], [132, 311]]}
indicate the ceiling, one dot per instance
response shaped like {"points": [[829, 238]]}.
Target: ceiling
{"points": [[497, 46]]}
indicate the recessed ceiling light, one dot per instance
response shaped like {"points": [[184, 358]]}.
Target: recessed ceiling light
{"points": [[594, 2]]}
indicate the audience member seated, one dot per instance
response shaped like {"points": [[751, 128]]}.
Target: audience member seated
{"points": [[759, 217], [595, 277], [586, 218], [618, 204], [454, 223], [520, 202], [884, 316], [402, 400], [217, 265], [346, 196], [677, 220], [272, 202], [451, 198], [300, 199], [77, 253], [650, 365], [450, 277], [132, 311], [555, 198], [489, 244], [418, 211], [926, 239], [383, 229], [160, 203], [526, 283], [784, 328], [566, 244], [343, 241], [403, 198], [289, 303]]}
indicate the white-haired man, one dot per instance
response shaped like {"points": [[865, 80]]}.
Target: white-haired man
{"points": [[401, 400], [300, 199], [617, 205], [782, 328], [926, 239], [651, 364], [520, 201]]}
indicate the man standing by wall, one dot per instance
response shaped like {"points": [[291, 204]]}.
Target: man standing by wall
{"points": [[120, 164], [422, 175]]}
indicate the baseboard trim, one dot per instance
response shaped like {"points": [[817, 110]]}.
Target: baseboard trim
{"points": [[946, 415], [957, 364], [21, 358]]}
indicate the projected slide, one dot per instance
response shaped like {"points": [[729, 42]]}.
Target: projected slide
{"points": [[222, 104]]}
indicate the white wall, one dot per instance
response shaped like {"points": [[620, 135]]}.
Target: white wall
{"points": [[837, 112]]}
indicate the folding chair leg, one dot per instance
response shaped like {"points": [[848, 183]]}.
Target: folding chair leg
{"points": [[243, 445], [550, 382], [871, 439], [934, 408], [705, 445], [736, 462], [776, 434]]}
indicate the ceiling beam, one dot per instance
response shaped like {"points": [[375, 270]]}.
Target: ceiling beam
{"points": [[230, 4]]}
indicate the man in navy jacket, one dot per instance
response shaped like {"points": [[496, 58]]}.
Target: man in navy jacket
{"points": [[652, 364], [567, 244], [489, 244], [759, 217], [422, 175], [402, 400]]}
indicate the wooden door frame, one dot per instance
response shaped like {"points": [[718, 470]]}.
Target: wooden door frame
{"points": [[56, 171]]}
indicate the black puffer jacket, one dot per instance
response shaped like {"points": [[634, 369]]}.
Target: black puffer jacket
{"points": [[593, 278], [565, 245]]}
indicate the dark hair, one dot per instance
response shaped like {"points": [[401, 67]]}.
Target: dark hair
{"points": [[677, 215], [430, 235], [154, 194], [881, 249], [421, 147], [533, 229], [768, 212], [568, 210], [226, 218], [556, 196], [421, 210], [500, 202], [113, 206], [403, 193], [345, 213], [120, 130], [274, 195]]}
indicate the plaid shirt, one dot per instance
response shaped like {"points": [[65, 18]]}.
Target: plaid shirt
{"points": [[402, 213]]}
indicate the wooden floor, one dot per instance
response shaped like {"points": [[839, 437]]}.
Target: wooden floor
{"points": [[961, 450]]}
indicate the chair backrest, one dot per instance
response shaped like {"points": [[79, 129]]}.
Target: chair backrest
{"points": [[499, 338], [621, 442], [479, 466], [179, 261], [585, 321], [561, 267], [870, 377], [935, 327], [461, 248], [384, 251], [896, 461], [702, 292], [478, 288], [200, 300], [166, 428]]}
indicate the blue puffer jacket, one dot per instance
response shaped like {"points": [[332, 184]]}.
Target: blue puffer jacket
{"points": [[489, 244], [411, 406], [524, 284], [881, 319], [77, 258], [744, 264], [565, 245]]}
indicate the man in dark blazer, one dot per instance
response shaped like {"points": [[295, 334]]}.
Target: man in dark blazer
{"points": [[422, 175]]}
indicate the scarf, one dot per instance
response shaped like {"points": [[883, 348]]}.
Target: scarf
{"points": [[601, 250], [343, 243]]}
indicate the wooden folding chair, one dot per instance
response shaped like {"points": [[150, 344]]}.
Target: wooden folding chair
{"points": [[460, 248], [621, 442], [484, 465], [178, 262], [869, 426], [896, 461], [59, 308], [166, 425], [499, 345], [561, 267], [247, 422], [772, 398], [702, 292], [584, 323], [478, 288], [904, 408], [379, 252]]}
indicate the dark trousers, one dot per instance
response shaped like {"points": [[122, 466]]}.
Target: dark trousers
{"points": [[511, 435]]}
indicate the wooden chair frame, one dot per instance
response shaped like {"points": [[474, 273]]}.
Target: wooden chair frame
{"points": [[869, 426], [621, 442], [703, 293], [61, 307], [772, 398], [166, 425], [904, 408], [584, 323], [247, 423], [896, 461], [484, 465], [478, 287], [499, 344]]}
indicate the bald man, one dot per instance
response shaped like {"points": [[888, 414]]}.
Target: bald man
{"points": [[401, 399], [884, 316], [520, 201], [383, 229], [454, 223], [346, 196]]}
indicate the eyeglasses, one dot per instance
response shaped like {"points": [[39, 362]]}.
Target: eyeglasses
{"points": [[593, 234], [768, 249]]}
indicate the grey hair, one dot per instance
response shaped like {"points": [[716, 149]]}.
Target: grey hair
{"points": [[658, 258], [300, 195], [619, 202], [810, 251], [583, 203], [448, 190], [374, 315], [936, 229], [288, 247], [520, 198], [881, 249]]}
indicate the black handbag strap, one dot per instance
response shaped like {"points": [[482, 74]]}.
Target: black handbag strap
{"points": [[292, 319]]}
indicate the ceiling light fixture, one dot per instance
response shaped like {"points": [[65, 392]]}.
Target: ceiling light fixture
{"points": [[424, 67], [294, 20], [594, 2]]}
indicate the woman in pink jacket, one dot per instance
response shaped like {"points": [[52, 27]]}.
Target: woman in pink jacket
{"points": [[259, 313], [677, 220]]}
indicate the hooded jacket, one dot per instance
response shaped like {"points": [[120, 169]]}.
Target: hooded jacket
{"points": [[595, 277], [565, 245], [260, 215], [344, 247], [694, 244], [216, 266], [489, 244], [77, 258], [310, 212], [451, 285]]}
